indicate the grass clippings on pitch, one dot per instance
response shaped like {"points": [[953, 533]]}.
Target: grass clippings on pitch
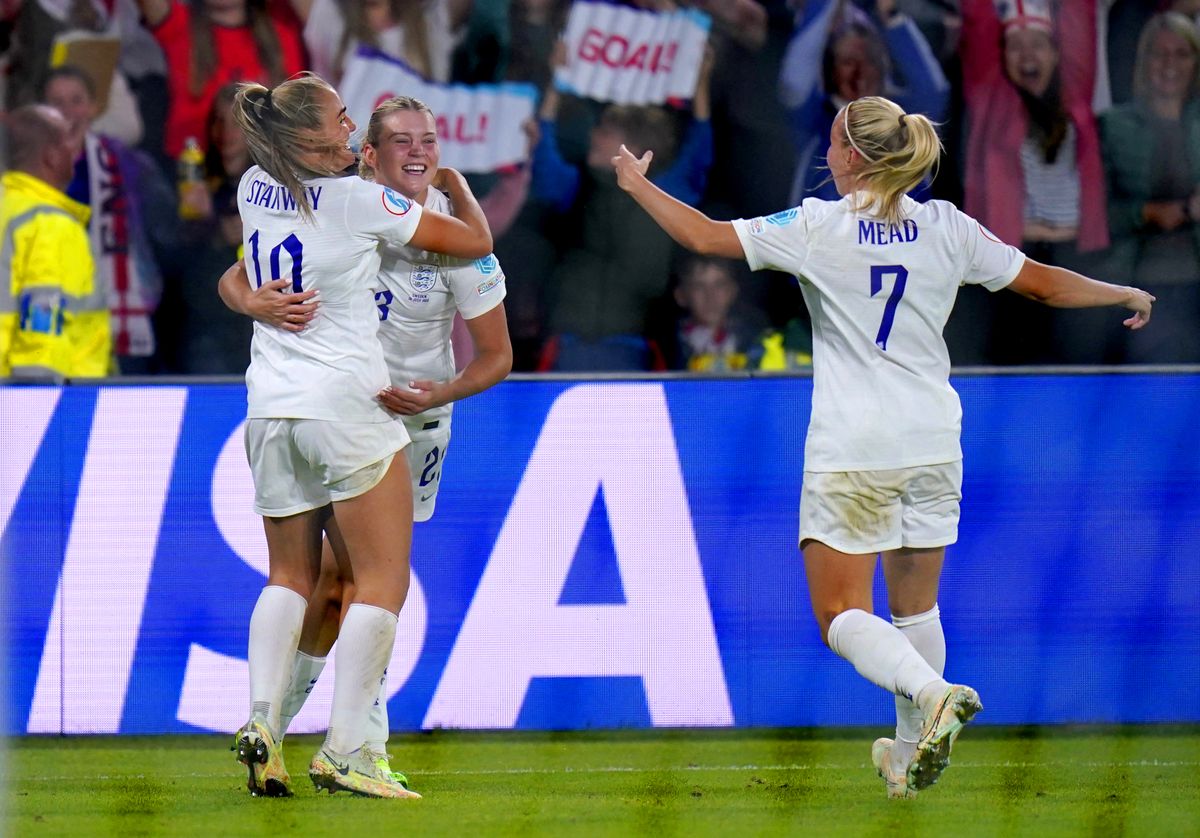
{"points": [[1124, 781]]}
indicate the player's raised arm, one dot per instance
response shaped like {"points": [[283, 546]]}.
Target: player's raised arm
{"points": [[1061, 288], [465, 234], [686, 225]]}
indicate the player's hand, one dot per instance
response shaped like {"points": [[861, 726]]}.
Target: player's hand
{"points": [[443, 177], [630, 169], [1139, 303], [418, 397], [275, 306]]}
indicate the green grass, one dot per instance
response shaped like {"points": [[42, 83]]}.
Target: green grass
{"points": [[1004, 781]]}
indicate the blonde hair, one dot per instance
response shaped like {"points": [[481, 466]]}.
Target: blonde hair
{"points": [[278, 124], [375, 126], [1180, 25], [899, 149]]}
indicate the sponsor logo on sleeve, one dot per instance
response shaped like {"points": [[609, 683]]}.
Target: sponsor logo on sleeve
{"points": [[394, 202], [782, 219], [489, 283], [756, 226], [488, 265]]}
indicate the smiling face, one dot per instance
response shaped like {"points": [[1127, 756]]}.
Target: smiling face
{"points": [[856, 73], [1030, 59], [1170, 66], [407, 153], [73, 100], [330, 143]]}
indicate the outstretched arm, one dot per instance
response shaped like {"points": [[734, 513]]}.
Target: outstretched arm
{"points": [[1061, 288], [686, 225], [270, 304]]}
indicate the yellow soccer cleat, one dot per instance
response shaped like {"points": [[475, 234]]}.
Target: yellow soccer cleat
{"points": [[256, 749], [357, 773]]}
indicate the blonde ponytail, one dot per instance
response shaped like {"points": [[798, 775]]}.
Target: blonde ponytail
{"points": [[278, 124], [898, 149]]}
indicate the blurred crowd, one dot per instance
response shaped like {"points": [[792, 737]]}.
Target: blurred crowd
{"points": [[1072, 130]]}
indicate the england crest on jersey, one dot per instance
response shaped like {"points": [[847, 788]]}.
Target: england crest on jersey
{"points": [[424, 277]]}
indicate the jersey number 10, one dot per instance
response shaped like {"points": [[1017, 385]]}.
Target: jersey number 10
{"points": [[295, 250]]}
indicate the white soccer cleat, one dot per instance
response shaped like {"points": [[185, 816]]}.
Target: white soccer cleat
{"points": [[357, 773], [897, 781], [957, 706]]}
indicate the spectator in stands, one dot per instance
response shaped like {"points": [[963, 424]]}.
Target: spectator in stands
{"points": [[616, 264], [40, 23], [1152, 160], [711, 332], [53, 318], [201, 336], [211, 43], [856, 59], [123, 189], [1034, 176], [421, 32]]}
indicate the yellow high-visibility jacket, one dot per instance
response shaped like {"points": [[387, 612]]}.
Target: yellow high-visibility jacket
{"points": [[54, 321]]}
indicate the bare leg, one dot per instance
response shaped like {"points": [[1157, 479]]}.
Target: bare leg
{"points": [[376, 530], [837, 582]]}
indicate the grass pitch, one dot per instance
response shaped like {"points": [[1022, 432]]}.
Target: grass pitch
{"points": [[1003, 781]]}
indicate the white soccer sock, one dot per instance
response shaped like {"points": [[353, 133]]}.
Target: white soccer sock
{"points": [[363, 651], [881, 654], [305, 671], [924, 632], [377, 719], [274, 632]]}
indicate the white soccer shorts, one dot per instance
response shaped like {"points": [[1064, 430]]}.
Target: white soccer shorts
{"points": [[864, 512], [303, 464]]}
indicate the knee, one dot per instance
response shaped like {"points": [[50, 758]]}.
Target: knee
{"points": [[826, 614]]}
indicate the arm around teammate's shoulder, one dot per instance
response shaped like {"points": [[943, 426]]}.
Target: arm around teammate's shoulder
{"points": [[1061, 288], [465, 234], [686, 225]]}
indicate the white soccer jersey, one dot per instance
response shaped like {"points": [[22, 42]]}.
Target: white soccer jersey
{"points": [[333, 369], [417, 296], [879, 296]]}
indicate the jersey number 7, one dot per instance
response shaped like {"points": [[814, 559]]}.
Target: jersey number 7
{"points": [[878, 272]]}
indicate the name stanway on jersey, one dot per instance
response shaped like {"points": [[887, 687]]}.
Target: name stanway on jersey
{"points": [[333, 369], [418, 295], [879, 296]]}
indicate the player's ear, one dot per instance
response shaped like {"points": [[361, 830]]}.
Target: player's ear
{"points": [[368, 154]]}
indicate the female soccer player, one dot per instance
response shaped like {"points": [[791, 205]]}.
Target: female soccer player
{"points": [[321, 447], [883, 462], [417, 296]]}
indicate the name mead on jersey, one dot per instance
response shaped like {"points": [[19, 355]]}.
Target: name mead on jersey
{"points": [[877, 232], [275, 197]]}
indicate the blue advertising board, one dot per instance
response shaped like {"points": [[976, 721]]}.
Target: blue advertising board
{"points": [[607, 553]]}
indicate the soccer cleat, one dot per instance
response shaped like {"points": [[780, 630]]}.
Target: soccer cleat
{"points": [[897, 782], [383, 762], [256, 749], [357, 773], [957, 706]]}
